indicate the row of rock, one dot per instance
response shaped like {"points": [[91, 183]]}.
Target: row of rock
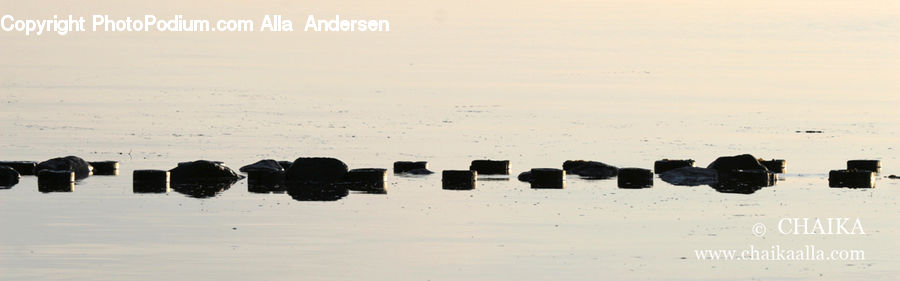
{"points": [[55, 174], [330, 177]]}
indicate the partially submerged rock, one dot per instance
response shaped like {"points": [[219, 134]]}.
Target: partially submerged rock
{"points": [[726, 164], [548, 178], [412, 167], [661, 166], [590, 169], [203, 171], [490, 167], [775, 165], [458, 179], [150, 181], [74, 164], [851, 178], [690, 176], [525, 176], [267, 165], [56, 181], [312, 170], [868, 165], [24, 168], [635, 178], [369, 180], [105, 168], [8, 177]]}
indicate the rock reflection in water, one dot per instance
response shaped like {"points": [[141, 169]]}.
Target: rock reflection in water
{"points": [[202, 190], [317, 192], [49, 187]]}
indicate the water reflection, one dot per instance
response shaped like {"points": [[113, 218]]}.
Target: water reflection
{"points": [[48, 187], [265, 182], [367, 187], [202, 190], [317, 192], [161, 187]]}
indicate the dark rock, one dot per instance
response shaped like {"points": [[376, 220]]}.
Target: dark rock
{"points": [[285, 164], [744, 181], [150, 181], [661, 166], [458, 179], [635, 178], [690, 176], [69, 163], [548, 178], [203, 171], [267, 165], [851, 178], [868, 165], [24, 168], [490, 167], [726, 164], [105, 168], [366, 180], [56, 181], [525, 176], [418, 172], [315, 170], [401, 167], [590, 169], [775, 165], [264, 176], [8, 176]]}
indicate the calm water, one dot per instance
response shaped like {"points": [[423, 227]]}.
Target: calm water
{"points": [[536, 83]]}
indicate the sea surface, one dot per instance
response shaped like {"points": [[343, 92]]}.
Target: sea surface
{"points": [[533, 82]]}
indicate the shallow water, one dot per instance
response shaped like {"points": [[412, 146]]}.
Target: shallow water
{"points": [[534, 83]]}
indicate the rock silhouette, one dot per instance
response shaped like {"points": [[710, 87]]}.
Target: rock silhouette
{"points": [[267, 165], [203, 171], [370, 180], [775, 165], [635, 178], [412, 168], [690, 176], [741, 174], [69, 163], [264, 176], [868, 165], [8, 177], [661, 166], [548, 178], [315, 170], [24, 168], [524, 176], [726, 164], [590, 169], [150, 181], [105, 168], [851, 178], [490, 167], [458, 179], [285, 164], [56, 181]]}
